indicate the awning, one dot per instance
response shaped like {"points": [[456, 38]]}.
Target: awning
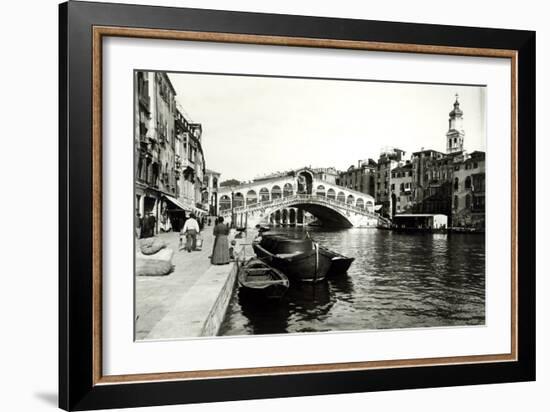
{"points": [[187, 208], [377, 207], [177, 203]]}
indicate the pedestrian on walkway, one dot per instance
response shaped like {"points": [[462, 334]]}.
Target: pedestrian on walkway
{"points": [[148, 225], [139, 225], [220, 251], [190, 230]]}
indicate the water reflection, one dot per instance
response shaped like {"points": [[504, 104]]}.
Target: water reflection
{"points": [[396, 281]]}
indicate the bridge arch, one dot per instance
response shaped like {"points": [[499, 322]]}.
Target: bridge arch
{"points": [[287, 190], [331, 194], [360, 203], [225, 202], [264, 194], [341, 197], [251, 197], [305, 182], [350, 200], [238, 199], [321, 191], [276, 192], [292, 216]]}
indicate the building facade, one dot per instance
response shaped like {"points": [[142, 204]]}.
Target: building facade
{"points": [[469, 192], [210, 195], [190, 163], [360, 178], [401, 187], [451, 183], [162, 181], [389, 159], [433, 182]]}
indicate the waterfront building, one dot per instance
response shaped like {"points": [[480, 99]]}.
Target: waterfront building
{"points": [[191, 165], [469, 192], [154, 146], [432, 173], [212, 180], [389, 159], [401, 187], [360, 178], [328, 174], [169, 171], [443, 183]]}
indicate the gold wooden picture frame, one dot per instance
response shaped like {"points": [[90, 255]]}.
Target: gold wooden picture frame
{"points": [[83, 385]]}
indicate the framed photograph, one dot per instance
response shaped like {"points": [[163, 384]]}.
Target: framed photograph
{"points": [[256, 206]]}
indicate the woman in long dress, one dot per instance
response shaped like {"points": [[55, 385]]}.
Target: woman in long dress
{"points": [[220, 252]]}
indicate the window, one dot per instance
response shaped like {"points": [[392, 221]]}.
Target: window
{"points": [[468, 201], [456, 183], [455, 203], [468, 183]]}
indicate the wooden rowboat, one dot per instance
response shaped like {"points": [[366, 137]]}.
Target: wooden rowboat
{"points": [[258, 279]]}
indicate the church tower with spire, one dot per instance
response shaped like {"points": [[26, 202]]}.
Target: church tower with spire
{"points": [[455, 135]]}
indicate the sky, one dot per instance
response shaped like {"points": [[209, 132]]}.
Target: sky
{"points": [[253, 126]]}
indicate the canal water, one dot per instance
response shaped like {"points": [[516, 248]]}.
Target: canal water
{"points": [[396, 281]]}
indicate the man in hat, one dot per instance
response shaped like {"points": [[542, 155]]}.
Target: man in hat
{"points": [[190, 230]]}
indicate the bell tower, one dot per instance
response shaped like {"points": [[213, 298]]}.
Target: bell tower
{"points": [[455, 135]]}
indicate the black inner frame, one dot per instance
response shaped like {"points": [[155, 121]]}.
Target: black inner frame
{"points": [[76, 389]]}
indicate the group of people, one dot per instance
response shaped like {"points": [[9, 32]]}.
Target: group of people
{"points": [[220, 252], [145, 226]]}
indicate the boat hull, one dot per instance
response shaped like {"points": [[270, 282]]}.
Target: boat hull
{"points": [[339, 264], [259, 280], [309, 266]]}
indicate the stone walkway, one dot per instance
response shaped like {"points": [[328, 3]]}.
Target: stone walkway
{"points": [[156, 296]]}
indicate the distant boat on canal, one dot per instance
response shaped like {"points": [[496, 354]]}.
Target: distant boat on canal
{"points": [[301, 259], [420, 223]]}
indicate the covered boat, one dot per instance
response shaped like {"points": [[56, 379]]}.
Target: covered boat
{"points": [[258, 279], [302, 259]]}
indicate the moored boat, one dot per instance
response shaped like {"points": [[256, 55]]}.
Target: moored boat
{"points": [[258, 279], [339, 263], [302, 259]]}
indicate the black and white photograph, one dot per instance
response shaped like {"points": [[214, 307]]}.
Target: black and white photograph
{"points": [[277, 205]]}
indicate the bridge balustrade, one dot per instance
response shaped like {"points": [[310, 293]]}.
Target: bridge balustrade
{"points": [[289, 200]]}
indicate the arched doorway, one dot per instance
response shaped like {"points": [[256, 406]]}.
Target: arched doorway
{"points": [[284, 217], [360, 203], [275, 192], [292, 217], [238, 200], [251, 197], [264, 194], [225, 202], [331, 194], [305, 182], [278, 217], [341, 197], [287, 190], [321, 191]]}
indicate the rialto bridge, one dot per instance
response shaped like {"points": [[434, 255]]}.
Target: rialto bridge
{"points": [[284, 199]]}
